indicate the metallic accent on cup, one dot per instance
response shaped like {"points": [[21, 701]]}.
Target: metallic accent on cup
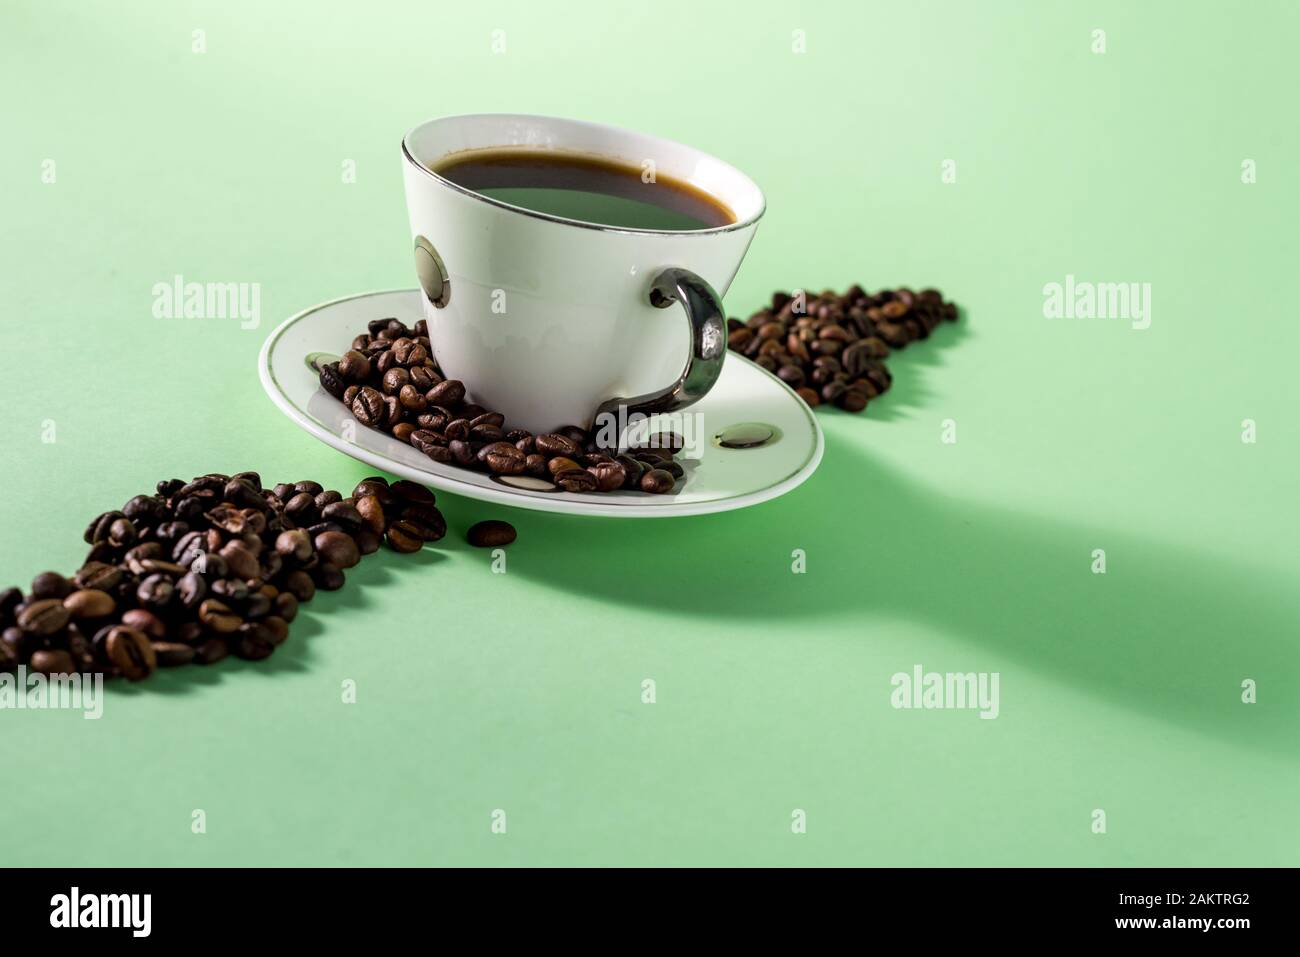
{"points": [[708, 331], [432, 272]]}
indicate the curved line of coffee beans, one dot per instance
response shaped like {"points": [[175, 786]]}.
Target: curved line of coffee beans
{"points": [[201, 570], [390, 382], [830, 347]]}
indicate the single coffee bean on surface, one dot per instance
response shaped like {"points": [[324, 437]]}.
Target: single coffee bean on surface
{"points": [[492, 533]]}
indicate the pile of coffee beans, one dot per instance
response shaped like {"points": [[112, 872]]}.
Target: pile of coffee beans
{"points": [[204, 569], [830, 347], [390, 382]]}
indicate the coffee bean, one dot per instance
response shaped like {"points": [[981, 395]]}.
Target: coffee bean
{"points": [[130, 652], [672, 468], [211, 651], [52, 661], [170, 654], [492, 533], [657, 482], [448, 393], [89, 603], [502, 458], [576, 480], [851, 400], [404, 537], [354, 367], [43, 617], [412, 492], [343, 514], [328, 576], [368, 407], [286, 605], [253, 642], [425, 521], [294, 544], [51, 585], [218, 618], [552, 445], [337, 548], [609, 475], [332, 381], [145, 621], [301, 585]]}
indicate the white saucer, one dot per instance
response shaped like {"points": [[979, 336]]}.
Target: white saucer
{"points": [[717, 479]]}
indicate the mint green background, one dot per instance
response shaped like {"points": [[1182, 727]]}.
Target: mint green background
{"points": [[522, 691]]}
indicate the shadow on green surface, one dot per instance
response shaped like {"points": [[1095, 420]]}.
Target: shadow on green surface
{"points": [[1167, 632], [364, 589]]}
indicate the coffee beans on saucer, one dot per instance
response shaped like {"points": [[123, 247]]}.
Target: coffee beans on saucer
{"points": [[202, 570], [389, 381], [830, 347]]}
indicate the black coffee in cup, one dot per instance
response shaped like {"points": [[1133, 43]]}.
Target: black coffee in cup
{"points": [[590, 189]]}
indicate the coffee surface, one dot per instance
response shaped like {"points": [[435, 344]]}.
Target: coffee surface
{"points": [[587, 188]]}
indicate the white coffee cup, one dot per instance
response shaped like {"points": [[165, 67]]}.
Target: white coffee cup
{"points": [[553, 321]]}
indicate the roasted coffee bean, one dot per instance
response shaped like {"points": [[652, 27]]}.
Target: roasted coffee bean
{"points": [[130, 652], [43, 617], [461, 451], [191, 588], [211, 651], [672, 468], [502, 458], [343, 514], [492, 533], [657, 482], [395, 380], [327, 497], [301, 508], [328, 576], [155, 592], [561, 464], [309, 486], [294, 544], [300, 584], [218, 618], [170, 654], [337, 548], [10, 599], [552, 445], [535, 464], [634, 470], [145, 621], [332, 381], [368, 407], [836, 345], [229, 590], [609, 475], [404, 537], [425, 521], [375, 486], [851, 400], [575, 480], [50, 585], [354, 367], [50, 661], [372, 513], [286, 606], [253, 642], [449, 393], [89, 603], [242, 562]]}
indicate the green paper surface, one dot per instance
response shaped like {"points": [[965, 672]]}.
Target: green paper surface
{"points": [[523, 692]]}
